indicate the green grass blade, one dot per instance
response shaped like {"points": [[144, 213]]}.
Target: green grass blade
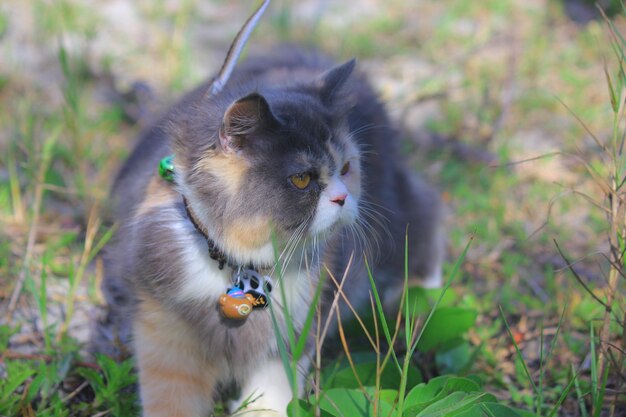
{"points": [[43, 303], [601, 391], [519, 353], [301, 344], [291, 334], [381, 313], [572, 382], [103, 241], [408, 332], [289, 364], [539, 404], [580, 396], [453, 274], [282, 347], [594, 367], [556, 334]]}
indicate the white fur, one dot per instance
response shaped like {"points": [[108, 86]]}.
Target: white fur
{"points": [[328, 213], [299, 286], [268, 386], [202, 279], [435, 279]]}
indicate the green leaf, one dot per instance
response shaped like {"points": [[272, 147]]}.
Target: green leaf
{"points": [[17, 374], [455, 403], [523, 413], [612, 95], [498, 410], [299, 408], [5, 334], [447, 323], [424, 298], [438, 388], [93, 377], [484, 410], [454, 359], [341, 402], [424, 393], [366, 372]]}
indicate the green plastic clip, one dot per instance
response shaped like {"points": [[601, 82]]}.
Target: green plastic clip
{"points": [[166, 168]]}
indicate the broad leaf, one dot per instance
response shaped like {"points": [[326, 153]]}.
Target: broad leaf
{"points": [[366, 372], [447, 323], [423, 395], [341, 402]]}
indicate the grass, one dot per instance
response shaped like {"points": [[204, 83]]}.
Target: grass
{"points": [[476, 87]]}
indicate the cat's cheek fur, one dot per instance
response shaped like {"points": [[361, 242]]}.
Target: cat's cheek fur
{"points": [[228, 169]]}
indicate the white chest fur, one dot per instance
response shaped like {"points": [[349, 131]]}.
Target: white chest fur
{"points": [[204, 281]]}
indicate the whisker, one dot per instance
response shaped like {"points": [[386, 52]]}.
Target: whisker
{"points": [[287, 247], [368, 127], [370, 203]]}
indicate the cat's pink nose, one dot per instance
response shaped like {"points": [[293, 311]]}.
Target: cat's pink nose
{"points": [[340, 199]]}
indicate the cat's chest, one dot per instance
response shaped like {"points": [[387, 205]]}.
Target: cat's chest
{"points": [[203, 286]]}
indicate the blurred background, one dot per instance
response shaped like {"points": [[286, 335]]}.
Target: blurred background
{"points": [[503, 104]]}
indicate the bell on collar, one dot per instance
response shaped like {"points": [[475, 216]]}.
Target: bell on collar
{"points": [[166, 168]]}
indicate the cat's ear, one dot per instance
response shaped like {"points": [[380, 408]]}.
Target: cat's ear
{"points": [[244, 117], [331, 81]]}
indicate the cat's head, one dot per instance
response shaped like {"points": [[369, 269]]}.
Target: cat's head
{"points": [[279, 165]]}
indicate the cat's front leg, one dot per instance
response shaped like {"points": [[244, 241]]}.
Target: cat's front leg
{"points": [[174, 379], [266, 391]]}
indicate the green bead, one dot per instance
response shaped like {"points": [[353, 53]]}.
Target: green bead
{"points": [[166, 168]]}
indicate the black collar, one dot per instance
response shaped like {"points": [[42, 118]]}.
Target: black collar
{"points": [[214, 251]]}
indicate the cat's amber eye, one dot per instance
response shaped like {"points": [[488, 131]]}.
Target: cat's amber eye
{"points": [[345, 168], [301, 181]]}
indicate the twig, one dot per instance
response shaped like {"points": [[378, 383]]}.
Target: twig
{"points": [[32, 234], [578, 278], [75, 392], [583, 124], [353, 310], [344, 343]]}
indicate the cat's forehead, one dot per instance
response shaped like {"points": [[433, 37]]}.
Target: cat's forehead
{"points": [[318, 140], [307, 133], [324, 154]]}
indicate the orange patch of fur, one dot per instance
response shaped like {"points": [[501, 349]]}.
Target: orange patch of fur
{"points": [[248, 233], [230, 169], [158, 193], [174, 377]]}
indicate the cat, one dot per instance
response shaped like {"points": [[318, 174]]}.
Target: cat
{"points": [[291, 159]]}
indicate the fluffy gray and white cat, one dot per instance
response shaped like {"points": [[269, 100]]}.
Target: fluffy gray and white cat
{"points": [[293, 156]]}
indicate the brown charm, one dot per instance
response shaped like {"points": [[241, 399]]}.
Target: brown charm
{"points": [[236, 305]]}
